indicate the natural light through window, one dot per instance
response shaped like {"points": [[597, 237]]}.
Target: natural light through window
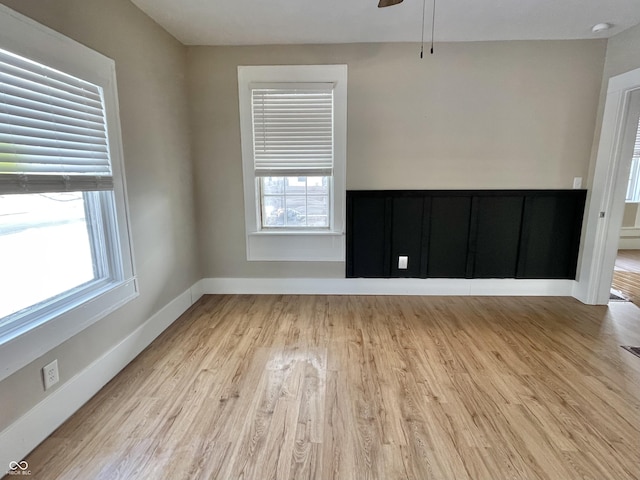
{"points": [[633, 189], [45, 248], [295, 202], [57, 236], [293, 154], [65, 246], [293, 125]]}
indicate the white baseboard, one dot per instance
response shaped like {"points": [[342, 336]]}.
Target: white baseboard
{"points": [[22, 436], [629, 244], [387, 286], [629, 238], [197, 290]]}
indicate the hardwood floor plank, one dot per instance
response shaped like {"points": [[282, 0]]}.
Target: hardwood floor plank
{"points": [[628, 260], [626, 275], [342, 388]]}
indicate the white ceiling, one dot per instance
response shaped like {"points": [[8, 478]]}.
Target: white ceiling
{"points": [[253, 22]]}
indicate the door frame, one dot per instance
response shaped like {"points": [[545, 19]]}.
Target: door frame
{"points": [[606, 199]]}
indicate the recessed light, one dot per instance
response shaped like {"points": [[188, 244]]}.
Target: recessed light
{"points": [[601, 27]]}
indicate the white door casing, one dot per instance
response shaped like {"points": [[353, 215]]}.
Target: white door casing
{"points": [[606, 200]]}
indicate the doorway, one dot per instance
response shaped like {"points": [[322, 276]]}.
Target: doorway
{"points": [[610, 184], [626, 276], [626, 273]]}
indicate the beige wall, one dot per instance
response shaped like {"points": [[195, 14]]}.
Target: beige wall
{"points": [[623, 53], [629, 217], [150, 67], [473, 115]]}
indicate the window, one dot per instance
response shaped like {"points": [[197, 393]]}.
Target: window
{"points": [[293, 126], [633, 190], [29, 264], [295, 202], [64, 241], [293, 154]]}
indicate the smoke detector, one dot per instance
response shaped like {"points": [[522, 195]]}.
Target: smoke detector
{"points": [[601, 27]]}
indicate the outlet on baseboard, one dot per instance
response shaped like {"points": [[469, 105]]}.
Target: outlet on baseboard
{"points": [[50, 374]]}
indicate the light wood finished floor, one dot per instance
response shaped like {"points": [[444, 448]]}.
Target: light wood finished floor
{"points": [[626, 275], [389, 388]]}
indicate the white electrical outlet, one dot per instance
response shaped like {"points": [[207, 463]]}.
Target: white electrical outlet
{"points": [[403, 261], [577, 182], [50, 374]]}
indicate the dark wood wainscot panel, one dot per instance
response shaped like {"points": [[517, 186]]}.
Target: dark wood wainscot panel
{"points": [[552, 225], [369, 220], [448, 237], [464, 234], [498, 221]]}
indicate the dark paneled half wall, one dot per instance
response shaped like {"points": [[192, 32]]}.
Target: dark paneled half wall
{"points": [[464, 233]]}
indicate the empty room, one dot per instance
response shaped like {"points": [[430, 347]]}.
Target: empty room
{"points": [[313, 240]]}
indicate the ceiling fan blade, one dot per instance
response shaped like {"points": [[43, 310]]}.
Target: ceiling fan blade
{"points": [[388, 3]]}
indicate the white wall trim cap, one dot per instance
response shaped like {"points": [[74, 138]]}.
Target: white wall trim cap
{"points": [[601, 237]]}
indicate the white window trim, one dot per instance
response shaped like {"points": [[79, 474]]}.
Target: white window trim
{"points": [[634, 187], [25, 37], [294, 245]]}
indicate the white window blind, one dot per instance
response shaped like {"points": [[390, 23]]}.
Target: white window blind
{"points": [[53, 133], [633, 190], [293, 130]]}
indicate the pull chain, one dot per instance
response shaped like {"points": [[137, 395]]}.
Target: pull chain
{"points": [[433, 24], [424, 2]]}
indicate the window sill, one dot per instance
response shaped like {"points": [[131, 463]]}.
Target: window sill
{"points": [[302, 233], [21, 347], [296, 246]]}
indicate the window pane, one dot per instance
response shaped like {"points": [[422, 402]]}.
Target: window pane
{"points": [[273, 211], [296, 211], [273, 185], [318, 185], [633, 187], [45, 248], [303, 202], [318, 211], [295, 185]]}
